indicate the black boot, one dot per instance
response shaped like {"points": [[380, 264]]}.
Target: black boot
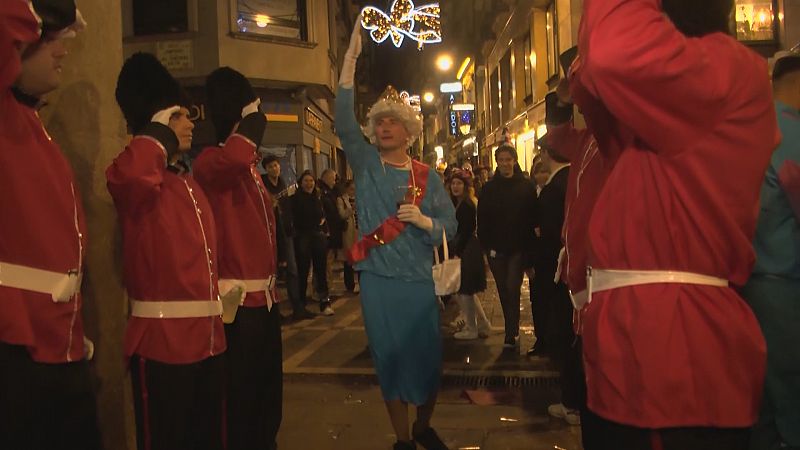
{"points": [[428, 438], [404, 445]]}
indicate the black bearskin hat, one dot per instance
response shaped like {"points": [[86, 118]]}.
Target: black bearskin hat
{"points": [[227, 92], [56, 15], [697, 18], [145, 87]]}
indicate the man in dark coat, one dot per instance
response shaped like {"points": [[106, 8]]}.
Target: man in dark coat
{"points": [[506, 222]]}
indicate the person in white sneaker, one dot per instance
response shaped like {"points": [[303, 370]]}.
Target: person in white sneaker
{"points": [[465, 246]]}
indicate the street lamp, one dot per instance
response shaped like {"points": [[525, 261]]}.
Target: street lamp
{"points": [[428, 97], [444, 62]]}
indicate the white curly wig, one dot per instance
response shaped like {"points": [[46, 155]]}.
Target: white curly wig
{"points": [[390, 104]]}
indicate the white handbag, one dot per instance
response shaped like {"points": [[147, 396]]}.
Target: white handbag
{"points": [[447, 273]]}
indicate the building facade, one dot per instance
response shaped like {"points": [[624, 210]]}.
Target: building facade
{"points": [[290, 50]]}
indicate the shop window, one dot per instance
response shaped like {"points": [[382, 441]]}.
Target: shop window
{"points": [[552, 41], [160, 17], [755, 20], [529, 69], [278, 18], [495, 106], [304, 159], [506, 87]]}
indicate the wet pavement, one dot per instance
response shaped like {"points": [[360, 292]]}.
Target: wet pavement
{"points": [[332, 399]]}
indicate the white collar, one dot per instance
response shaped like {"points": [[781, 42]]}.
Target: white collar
{"points": [[559, 168]]}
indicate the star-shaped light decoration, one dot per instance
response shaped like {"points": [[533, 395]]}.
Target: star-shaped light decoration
{"points": [[402, 21]]}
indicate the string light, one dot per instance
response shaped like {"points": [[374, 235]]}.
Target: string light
{"points": [[422, 24]]}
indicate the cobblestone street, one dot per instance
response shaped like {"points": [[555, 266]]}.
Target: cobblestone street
{"points": [[491, 399]]}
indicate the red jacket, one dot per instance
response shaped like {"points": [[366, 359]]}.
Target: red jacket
{"points": [[689, 126], [242, 207], [42, 222], [586, 177], [169, 250]]}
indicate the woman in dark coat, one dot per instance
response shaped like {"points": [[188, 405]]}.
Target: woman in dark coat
{"points": [[465, 246], [310, 242]]}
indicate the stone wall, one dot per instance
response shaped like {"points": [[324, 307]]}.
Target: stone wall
{"points": [[83, 117]]}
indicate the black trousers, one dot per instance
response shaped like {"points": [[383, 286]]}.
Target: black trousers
{"points": [[507, 272], [349, 276], [45, 406], [607, 435], [179, 406], [312, 248], [255, 379]]}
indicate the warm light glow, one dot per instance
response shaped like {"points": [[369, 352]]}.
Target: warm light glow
{"points": [[780, 16], [428, 97], [444, 62], [439, 152], [463, 107], [450, 88], [463, 68], [401, 21], [533, 59], [262, 20], [464, 128]]}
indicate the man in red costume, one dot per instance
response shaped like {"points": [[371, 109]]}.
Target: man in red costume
{"points": [[683, 114], [175, 336], [46, 394], [247, 240]]}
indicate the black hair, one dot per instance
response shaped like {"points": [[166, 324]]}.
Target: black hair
{"points": [[306, 173], [696, 18], [506, 148], [269, 159]]}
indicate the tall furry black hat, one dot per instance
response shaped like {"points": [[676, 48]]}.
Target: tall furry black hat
{"points": [[145, 87], [227, 92]]}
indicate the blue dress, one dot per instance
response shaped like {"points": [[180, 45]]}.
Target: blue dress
{"points": [[773, 292], [400, 310]]}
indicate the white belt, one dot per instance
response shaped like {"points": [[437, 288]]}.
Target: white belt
{"points": [[177, 309], [599, 280], [265, 285], [61, 286]]}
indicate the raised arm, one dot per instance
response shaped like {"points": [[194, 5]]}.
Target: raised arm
{"points": [[347, 128], [18, 27], [664, 86], [223, 167], [136, 175]]}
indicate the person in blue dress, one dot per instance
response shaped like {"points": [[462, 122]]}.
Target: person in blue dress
{"points": [[403, 212], [773, 290]]}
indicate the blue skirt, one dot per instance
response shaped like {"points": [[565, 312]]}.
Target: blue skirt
{"points": [[402, 322]]}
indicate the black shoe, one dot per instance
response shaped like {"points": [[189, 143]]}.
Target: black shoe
{"points": [[511, 342], [302, 315], [404, 445], [429, 439]]}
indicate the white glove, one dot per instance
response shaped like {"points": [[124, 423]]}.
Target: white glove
{"points": [[347, 77], [411, 214], [164, 115], [88, 349], [251, 108]]}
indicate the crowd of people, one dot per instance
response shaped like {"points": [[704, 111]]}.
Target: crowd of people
{"points": [[661, 242]]}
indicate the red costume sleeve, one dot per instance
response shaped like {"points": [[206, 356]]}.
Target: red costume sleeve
{"points": [[136, 175], [222, 167], [18, 24], [567, 140], [664, 86]]}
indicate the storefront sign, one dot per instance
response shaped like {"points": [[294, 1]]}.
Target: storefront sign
{"points": [[312, 120]]}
